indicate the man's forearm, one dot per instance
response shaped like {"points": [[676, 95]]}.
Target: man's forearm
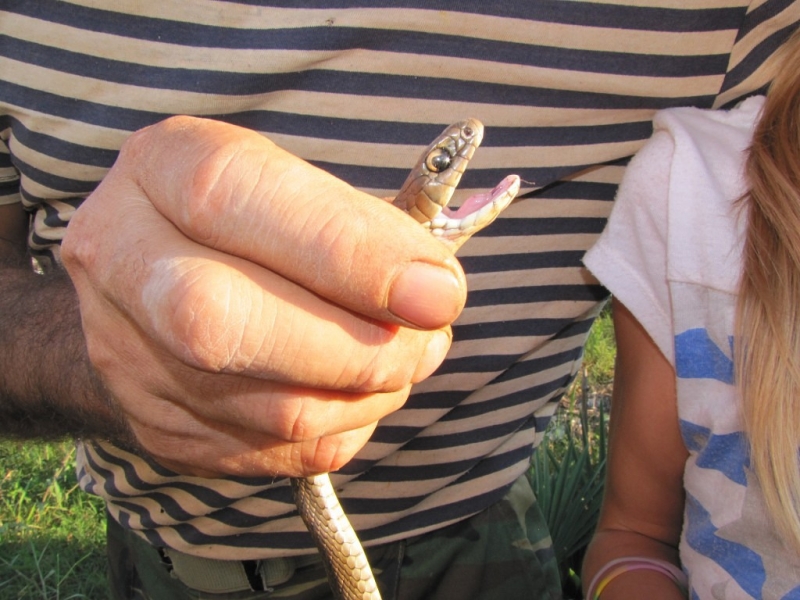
{"points": [[48, 388]]}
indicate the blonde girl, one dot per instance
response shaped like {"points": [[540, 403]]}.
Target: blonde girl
{"points": [[702, 255]]}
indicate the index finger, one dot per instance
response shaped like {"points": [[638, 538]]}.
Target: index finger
{"points": [[233, 190]]}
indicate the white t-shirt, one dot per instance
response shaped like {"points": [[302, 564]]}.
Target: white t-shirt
{"points": [[671, 253]]}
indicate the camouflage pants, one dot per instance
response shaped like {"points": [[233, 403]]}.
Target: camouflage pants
{"points": [[503, 553]]}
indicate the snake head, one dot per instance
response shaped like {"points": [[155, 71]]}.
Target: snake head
{"points": [[433, 180]]}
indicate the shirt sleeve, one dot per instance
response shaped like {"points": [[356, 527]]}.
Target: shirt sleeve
{"points": [[630, 257]]}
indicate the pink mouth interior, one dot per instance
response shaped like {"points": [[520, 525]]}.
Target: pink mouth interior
{"points": [[478, 201]]}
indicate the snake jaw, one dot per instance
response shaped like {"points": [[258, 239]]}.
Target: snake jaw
{"points": [[454, 227]]}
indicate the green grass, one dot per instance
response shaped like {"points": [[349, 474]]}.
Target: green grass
{"points": [[52, 535]]}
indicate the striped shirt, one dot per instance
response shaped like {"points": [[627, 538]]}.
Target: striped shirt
{"points": [[567, 91]]}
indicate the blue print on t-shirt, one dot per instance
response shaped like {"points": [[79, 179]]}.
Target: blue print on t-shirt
{"points": [[726, 453], [698, 357], [742, 564]]}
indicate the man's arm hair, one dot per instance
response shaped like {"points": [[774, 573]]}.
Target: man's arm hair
{"points": [[48, 388]]}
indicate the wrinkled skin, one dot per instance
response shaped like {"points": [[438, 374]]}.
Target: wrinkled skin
{"points": [[245, 310]]}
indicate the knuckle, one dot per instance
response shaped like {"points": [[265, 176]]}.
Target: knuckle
{"points": [[77, 251], [204, 195], [79, 248], [298, 423], [140, 143], [214, 174], [101, 356], [331, 453], [324, 456], [390, 368], [205, 324], [382, 376], [174, 443], [219, 187]]}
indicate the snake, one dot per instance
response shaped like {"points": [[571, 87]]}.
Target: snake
{"points": [[425, 196]]}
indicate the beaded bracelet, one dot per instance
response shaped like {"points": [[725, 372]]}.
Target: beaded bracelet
{"points": [[619, 566]]}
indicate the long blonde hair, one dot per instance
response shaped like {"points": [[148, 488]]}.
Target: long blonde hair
{"points": [[768, 312]]}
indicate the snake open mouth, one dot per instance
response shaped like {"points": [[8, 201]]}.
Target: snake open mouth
{"points": [[473, 210], [479, 201]]}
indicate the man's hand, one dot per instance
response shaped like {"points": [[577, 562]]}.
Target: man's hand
{"points": [[249, 313]]}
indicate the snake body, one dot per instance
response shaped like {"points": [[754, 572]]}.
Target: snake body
{"points": [[425, 196]]}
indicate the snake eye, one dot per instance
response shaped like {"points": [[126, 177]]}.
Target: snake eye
{"points": [[468, 132], [438, 160]]}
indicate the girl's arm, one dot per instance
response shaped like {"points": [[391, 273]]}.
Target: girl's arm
{"points": [[644, 497]]}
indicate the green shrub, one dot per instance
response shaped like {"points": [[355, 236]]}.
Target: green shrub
{"points": [[568, 469]]}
